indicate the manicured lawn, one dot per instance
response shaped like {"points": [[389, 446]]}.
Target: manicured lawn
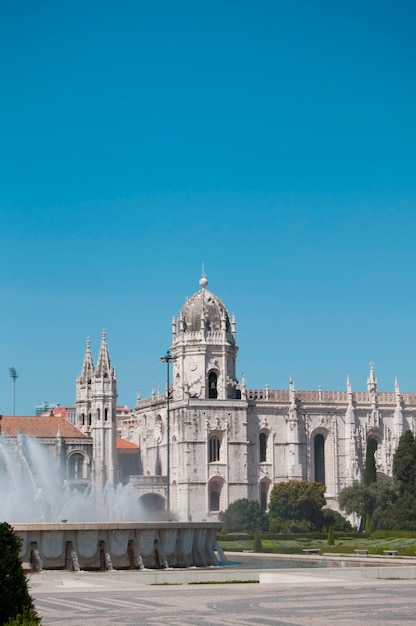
{"points": [[405, 546]]}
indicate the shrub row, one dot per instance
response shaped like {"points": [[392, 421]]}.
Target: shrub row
{"points": [[393, 534], [297, 537]]}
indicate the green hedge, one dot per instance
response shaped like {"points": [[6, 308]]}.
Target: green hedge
{"points": [[299, 536], [393, 534]]}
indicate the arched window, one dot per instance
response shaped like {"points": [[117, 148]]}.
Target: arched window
{"points": [[152, 502], [264, 489], [214, 494], [214, 501], [212, 385], [98, 415], [214, 449], [105, 414], [76, 469], [319, 455], [374, 444], [263, 447]]}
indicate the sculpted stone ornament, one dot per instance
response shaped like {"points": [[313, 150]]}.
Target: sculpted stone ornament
{"points": [[52, 544], [195, 387], [159, 430], [146, 542], [87, 543], [118, 542]]}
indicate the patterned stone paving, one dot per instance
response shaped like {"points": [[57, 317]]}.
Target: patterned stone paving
{"points": [[291, 601]]}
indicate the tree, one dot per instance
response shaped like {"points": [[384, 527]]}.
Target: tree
{"points": [[257, 543], [370, 471], [244, 515], [402, 514], [15, 601], [369, 502], [334, 519], [28, 618], [296, 505], [353, 499], [382, 495], [404, 463]]}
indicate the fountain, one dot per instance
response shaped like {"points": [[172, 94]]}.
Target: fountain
{"points": [[63, 527]]}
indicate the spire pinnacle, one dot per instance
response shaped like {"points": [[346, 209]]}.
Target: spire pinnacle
{"points": [[372, 386], [348, 384], [233, 325], [88, 365], [372, 380], [203, 281], [397, 391], [398, 415], [103, 368]]}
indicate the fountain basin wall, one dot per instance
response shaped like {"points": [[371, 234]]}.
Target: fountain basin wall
{"points": [[118, 545]]}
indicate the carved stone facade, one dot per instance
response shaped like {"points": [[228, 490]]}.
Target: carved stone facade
{"points": [[229, 442]]}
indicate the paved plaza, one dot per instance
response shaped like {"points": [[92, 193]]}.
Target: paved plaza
{"points": [[294, 598]]}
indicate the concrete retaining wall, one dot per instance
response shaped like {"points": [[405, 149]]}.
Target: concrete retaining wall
{"points": [[92, 546]]}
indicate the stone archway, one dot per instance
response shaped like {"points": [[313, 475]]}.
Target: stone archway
{"points": [[152, 503], [77, 466]]}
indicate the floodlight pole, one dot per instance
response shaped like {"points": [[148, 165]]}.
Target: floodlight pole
{"points": [[13, 375], [168, 359]]}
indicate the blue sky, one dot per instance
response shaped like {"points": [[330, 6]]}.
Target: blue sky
{"points": [[273, 141]]}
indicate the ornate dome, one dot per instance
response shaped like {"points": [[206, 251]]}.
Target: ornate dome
{"points": [[206, 305]]}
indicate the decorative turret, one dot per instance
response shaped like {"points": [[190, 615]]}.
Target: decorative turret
{"points": [[398, 413], [294, 469], [353, 470], [372, 385], [243, 387], [292, 393], [88, 365], [233, 326], [83, 391], [374, 415], [397, 392], [103, 368], [350, 407]]}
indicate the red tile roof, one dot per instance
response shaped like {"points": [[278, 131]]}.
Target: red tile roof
{"points": [[123, 444], [59, 411], [41, 426]]}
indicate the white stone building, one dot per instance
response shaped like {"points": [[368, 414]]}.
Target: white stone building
{"points": [[229, 442]]}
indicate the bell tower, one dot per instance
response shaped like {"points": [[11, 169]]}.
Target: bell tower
{"points": [[83, 392], [96, 398], [204, 349]]}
